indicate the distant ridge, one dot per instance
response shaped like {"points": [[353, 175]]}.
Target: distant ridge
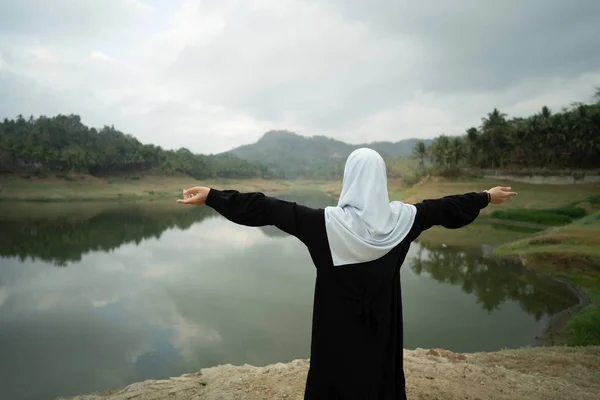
{"points": [[292, 155]]}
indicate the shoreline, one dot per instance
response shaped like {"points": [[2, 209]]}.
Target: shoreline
{"points": [[570, 255], [554, 333], [534, 373], [87, 188]]}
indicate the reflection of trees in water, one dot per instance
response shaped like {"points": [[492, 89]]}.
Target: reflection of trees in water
{"points": [[493, 281], [66, 239]]}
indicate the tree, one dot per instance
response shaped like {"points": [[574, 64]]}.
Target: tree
{"points": [[494, 131], [441, 152], [420, 151], [473, 145], [456, 151], [569, 138], [596, 96]]}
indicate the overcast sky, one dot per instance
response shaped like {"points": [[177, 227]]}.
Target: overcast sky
{"points": [[213, 74]]}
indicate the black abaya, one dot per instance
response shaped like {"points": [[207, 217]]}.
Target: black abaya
{"points": [[357, 338]]}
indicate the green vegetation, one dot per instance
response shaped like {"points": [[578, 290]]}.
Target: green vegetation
{"points": [[572, 211], [594, 200], [572, 253], [62, 145], [91, 189], [575, 244], [489, 230], [531, 196], [550, 217], [584, 327], [566, 139], [537, 216]]}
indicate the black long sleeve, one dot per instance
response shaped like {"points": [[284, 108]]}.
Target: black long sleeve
{"points": [[256, 209], [357, 312], [451, 212]]}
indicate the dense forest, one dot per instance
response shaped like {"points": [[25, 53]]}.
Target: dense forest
{"points": [[566, 139], [64, 144]]}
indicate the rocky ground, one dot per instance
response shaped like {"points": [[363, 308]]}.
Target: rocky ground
{"points": [[533, 373]]}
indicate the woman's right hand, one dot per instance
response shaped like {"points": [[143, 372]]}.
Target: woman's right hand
{"points": [[500, 194], [195, 196]]}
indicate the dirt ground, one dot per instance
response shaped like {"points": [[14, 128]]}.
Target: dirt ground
{"points": [[534, 373]]}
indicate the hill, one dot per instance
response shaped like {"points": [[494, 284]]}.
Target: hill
{"points": [[290, 155], [63, 145]]}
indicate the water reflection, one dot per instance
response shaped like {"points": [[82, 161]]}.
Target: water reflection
{"points": [[64, 238], [492, 281], [155, 290], [149, 308]]}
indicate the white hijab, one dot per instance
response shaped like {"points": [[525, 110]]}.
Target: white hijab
{"points": [[364, 225]]}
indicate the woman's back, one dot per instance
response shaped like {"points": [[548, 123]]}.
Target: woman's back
{"points": [[357, 248]]}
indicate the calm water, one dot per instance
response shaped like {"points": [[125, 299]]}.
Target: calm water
{"points": [[96, 296]]}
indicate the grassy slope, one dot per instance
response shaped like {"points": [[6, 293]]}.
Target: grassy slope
{"points": [[571, 253], [88, 188], [488, 230]]}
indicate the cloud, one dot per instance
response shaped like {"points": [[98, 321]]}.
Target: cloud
{"points": [[473, 45], [211, 75], [72, 20]]}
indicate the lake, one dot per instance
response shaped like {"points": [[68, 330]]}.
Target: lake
{"points": [[100, 295]]}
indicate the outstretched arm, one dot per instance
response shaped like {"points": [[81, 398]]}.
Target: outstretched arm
{"points": [[256, 209], [456, 211]]}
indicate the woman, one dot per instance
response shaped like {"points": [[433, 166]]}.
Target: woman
{"points": [[357, 248]]}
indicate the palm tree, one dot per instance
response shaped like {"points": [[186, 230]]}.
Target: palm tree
{"points": [[546, 113], [456, 151], [495, 128], [440, 151], [473, 143], [596, 95], [420, 151]]}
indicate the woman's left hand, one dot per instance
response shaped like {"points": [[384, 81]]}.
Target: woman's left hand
{"points": [[195, 196]]}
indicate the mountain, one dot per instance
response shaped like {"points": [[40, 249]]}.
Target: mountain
{"points": [[291, 155]]}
